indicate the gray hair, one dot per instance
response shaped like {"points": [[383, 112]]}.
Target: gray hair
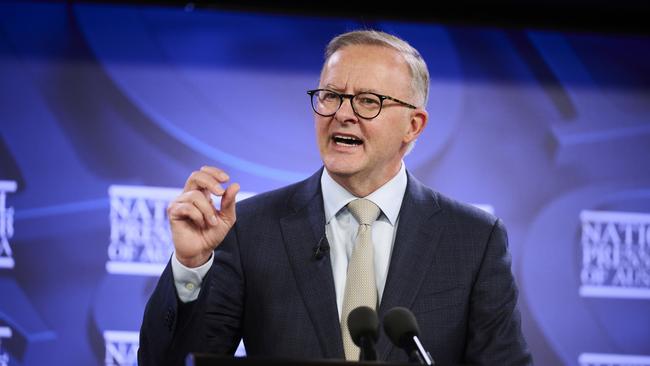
{"points": [[415, 62]]}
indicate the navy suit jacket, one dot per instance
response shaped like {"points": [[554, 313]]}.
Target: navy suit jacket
{"points": [[450, 266]]}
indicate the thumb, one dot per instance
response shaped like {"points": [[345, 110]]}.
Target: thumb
{"points": [[228, 203]]}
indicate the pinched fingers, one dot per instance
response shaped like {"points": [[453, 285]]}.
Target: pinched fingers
{"points": [[185, 211], [207, 179], [216, 172], [193, 205]]}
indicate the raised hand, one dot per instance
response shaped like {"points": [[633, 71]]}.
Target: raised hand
{"points": [[197, 226]]}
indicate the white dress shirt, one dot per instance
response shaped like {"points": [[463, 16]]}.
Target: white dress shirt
{"points": [[341, 231], [341, 228]]}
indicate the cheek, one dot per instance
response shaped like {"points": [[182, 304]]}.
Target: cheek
{"points": [[322, 129], [389, 132], [402, 129]]}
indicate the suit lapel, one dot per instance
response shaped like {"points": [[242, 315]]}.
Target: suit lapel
{"points": [[417, 237], [302, 229]]}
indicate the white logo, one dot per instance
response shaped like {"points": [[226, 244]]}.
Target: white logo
{"points": [[140, 237], [5, 332], [615, 254], [6, 225], [604, 359], [121, 348]]}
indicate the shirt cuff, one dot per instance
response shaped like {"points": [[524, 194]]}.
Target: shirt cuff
{"points": [[188, 280]]}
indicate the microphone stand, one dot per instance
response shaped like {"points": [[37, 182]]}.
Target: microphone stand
{"points": [[368, 352]]}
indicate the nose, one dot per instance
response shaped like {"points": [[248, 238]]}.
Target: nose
{"points": [[346, 112]]}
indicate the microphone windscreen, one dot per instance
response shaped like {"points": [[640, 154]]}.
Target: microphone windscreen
{"points": [[400, 325], [363, 321]]}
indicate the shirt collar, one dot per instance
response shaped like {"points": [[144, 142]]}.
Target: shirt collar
{"points": [[388, 197]]}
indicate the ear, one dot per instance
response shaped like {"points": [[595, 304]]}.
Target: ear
{"points": [[419, 118]]}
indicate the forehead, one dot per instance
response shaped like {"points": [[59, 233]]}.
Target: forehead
{"points": [[358, 67]]}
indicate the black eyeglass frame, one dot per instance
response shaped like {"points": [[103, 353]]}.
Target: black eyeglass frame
{"points": [[342, 96]]}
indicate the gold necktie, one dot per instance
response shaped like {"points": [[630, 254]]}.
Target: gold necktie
{"points": [[360, 286]]}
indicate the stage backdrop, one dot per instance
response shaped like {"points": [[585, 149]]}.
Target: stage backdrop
{"points": [[106, 109]]}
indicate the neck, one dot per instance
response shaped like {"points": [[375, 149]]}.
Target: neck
{"points": [[361, 185]]}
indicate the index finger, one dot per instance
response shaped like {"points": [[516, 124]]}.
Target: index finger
{"points": [[217, 173], [205, 182]]}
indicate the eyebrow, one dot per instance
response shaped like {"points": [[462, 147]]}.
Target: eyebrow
{"points": [[332, 87], [339, 90]]}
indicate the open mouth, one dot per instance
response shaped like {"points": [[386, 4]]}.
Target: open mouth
{"points": [[346, 140]]}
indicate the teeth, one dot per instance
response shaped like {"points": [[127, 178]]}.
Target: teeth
{"points": [[346, 138]]}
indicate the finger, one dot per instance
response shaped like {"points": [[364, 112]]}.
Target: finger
{"points": [[200, 180], [208, 197], [186, 211], [217, 173], [204, 205], [228, 203]]}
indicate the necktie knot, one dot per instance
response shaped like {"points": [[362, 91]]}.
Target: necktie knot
{"points": [[364, 211]]}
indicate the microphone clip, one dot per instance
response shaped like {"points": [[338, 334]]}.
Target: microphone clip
{"points": [[321, 249]]}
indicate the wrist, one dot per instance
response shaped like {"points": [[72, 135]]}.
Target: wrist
{"points": [[193, 261]]}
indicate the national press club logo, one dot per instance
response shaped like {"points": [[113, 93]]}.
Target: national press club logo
{"points": [[615, 264], [6, 225], [6, 257], [121, 348], [615, 254], [140, 242]]}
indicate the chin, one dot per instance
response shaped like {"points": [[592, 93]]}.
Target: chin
{"points": [[341, 168]]}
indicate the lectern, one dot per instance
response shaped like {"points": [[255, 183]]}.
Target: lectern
{"points": [[203, 359]]}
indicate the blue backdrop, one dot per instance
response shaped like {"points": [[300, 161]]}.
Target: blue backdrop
{"points": [[105, 110]]}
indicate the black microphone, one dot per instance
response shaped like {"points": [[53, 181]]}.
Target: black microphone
{"points": [[402, 328], [322, 248], [364, 330]]}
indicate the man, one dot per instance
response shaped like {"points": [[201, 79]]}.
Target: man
{"points": [[262, 272]]}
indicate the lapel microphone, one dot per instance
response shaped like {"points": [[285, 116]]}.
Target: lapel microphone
{"points": [[322, 248]]}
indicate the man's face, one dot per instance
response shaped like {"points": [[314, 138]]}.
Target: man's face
{"points": [[381, 142]]}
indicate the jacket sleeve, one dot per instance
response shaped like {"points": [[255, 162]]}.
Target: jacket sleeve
{"points": [[211, 324]]}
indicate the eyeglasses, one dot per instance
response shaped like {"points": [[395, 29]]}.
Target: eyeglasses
{"points": [[366, 105]]}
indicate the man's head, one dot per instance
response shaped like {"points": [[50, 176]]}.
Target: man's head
{"points": [[415, 62], [364, 153]]}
